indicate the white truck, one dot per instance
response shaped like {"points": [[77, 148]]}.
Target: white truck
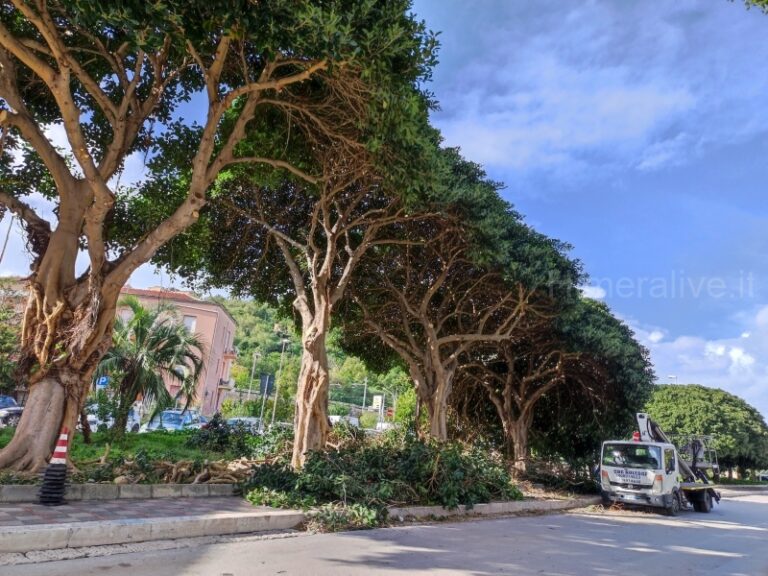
{"points": [[649, 471]]}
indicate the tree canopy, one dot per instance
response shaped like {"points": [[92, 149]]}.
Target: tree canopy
{"points": [[117, 79], [739, 430]]}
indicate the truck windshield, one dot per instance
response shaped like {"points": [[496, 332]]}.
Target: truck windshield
{"points": [[632, 456]]}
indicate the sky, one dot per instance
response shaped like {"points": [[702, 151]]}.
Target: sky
{"points": [[636, 132]]}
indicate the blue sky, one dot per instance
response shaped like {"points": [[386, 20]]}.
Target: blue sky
{"points": [[636, 131]]}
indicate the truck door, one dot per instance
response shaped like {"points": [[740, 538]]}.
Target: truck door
{"points": [[670, 470]]}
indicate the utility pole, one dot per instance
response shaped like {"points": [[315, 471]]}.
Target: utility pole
{"points": [[263, 403], [365, 391], [253, 369], [277, 382]]}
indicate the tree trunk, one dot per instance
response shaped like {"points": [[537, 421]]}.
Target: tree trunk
{"points": [[311, 422], [438, 408], [121, 421], [85, 427], [62, 341], [47, 410], [517, 434]]}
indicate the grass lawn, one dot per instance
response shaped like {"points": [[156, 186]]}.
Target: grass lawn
{"points": [[144, 448]]}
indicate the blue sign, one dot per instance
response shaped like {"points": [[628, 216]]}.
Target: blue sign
{"points": [[102, 382]]}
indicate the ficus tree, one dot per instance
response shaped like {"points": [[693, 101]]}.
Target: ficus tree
{"points": [[602, 392], [116, 80], [514, 375], [569, 383], [432, 305], [301, 245], [472, 276]]}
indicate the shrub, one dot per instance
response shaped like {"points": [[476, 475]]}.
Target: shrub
{"points": [[336, 517], [394, 469], [218, 436]]}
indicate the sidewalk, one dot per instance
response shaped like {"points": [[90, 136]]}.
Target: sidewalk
{"points": [[28, 514], [32, 532], [26, 527]]}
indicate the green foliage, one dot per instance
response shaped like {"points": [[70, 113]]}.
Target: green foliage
{"points": [[10, 336], [368, 419], [260, 328], [739, 430], [148, 347], [144, 449], [337, 517], [218, 436], [274, 441], [405, 414], [394, 469], [336, 409], [104, 406], [279, 499], [603, 391]]}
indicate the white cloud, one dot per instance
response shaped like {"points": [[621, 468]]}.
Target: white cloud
{"points": [[738, 364], [596, 86], [656, 336], [594, 292]]}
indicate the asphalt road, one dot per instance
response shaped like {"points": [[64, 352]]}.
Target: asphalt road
{"points": [[730, 541]]}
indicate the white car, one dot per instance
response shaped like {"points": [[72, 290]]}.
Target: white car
{"points": [[172, 420], [351, 420], [762, 476], [131, 425]]}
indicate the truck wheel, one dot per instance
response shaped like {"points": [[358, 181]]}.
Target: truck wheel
{"points": [[698, 501], [604, 497], [673, 509], [706, 502]]}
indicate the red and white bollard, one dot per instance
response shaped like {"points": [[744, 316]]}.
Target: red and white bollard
{"points": [[55, 477]]}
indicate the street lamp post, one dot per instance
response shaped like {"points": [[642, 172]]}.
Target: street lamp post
{"points": [[365, 392], [277, 382], [253, 369]]}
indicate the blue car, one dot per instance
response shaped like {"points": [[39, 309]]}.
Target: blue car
{"points": [[10, 412]]}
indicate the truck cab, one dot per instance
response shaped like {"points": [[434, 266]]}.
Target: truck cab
{"points": [[643, 473], [649, 471]]}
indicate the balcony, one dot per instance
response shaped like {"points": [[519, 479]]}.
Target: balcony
{"points": [[227, 384]]}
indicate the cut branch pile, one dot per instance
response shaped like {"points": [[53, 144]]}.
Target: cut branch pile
{"points": [[186, 471]]}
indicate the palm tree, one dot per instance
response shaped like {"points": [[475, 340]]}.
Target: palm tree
{"points": [[148, 347]]}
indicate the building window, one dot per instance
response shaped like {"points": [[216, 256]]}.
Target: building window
{"points": [[190, 322]]}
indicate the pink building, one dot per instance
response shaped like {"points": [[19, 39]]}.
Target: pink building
{"points": [[216, 329]]}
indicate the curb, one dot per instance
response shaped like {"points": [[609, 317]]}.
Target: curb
{"points": [[14, 493], [492, 508], [78, 534]]}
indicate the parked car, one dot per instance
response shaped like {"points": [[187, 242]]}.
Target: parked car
{"points": [[351, 420], [10, 412], [172, 420], [131, 425], [762, 476], [250, 423]]}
